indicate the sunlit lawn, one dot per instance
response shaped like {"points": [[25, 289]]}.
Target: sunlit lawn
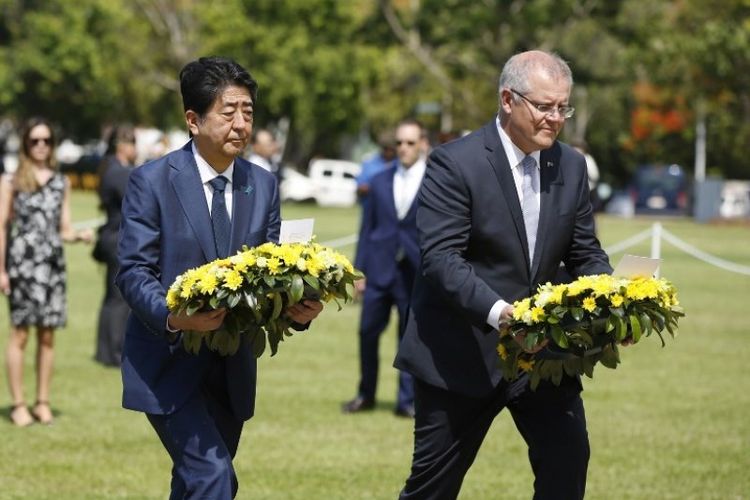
{"points": [[669, 423]]}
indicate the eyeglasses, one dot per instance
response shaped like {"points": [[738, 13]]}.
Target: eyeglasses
{"points": [[547, 109], [408, 143], [44, 140]]}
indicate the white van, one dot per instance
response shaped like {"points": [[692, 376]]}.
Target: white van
{"points": [[335, 181], [331, 183]]}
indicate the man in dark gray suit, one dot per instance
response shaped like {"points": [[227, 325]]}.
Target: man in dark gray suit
{"points": [[499, 210]]}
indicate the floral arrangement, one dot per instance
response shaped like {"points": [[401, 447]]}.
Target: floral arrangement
{"points": [[256, 285], [582, 324]]}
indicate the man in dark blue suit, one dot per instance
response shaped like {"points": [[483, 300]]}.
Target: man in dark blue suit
{"points": [[197, 404], [500, 209], [388, 254]]}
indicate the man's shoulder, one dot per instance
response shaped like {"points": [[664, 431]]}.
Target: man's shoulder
{"points": [[383, 177], [251, 168]]}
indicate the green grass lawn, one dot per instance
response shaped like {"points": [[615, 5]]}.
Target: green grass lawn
{"points": [[669, 423]]}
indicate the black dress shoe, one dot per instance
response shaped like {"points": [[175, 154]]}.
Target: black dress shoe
{"points": [[405, 411], [358, 404]]}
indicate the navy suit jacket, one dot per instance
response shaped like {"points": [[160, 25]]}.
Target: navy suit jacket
{"points": [[166, 229], [383, 238], [474, 252]]}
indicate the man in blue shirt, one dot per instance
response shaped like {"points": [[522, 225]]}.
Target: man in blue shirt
{"points": [[375, 164]]}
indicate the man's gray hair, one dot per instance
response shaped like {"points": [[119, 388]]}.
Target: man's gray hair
{"points": [[518, 68]]}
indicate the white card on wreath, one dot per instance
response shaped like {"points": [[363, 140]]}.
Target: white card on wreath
{"points": [[631, 266], [296, 231]]}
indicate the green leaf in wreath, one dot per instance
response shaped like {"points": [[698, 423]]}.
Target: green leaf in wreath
{"points": [[277, 305], [192, 308], [274, 338], [617, 311], [557, 373], [573, 366], [577, 313], [233, 300], [610, 357], [646, 325], [297, 288], [658, 320], [269, 280], [635, 327], [259, 342], [214, 302], [588, 365], [192, 341], [312, 281], [558, 335], [620, 330], [232, 342]]}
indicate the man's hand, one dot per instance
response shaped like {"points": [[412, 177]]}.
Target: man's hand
{"points": [[205, 321], [360, 286], [305, 311], [520, 338]]}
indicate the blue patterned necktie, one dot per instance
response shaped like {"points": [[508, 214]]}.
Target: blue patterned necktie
{"points": [[530, 206], [220, 216]]}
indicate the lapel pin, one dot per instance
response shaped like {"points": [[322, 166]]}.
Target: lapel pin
{"points": [[549, 163], [247, 189]]}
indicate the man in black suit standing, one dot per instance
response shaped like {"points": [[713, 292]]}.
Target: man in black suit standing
{"points": [[388, 254], [500, 209]]}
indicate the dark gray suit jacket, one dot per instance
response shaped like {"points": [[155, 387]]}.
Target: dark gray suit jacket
{"points": [[474, 252]]}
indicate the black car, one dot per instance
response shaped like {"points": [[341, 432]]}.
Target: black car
{"points": [[661, 189]]}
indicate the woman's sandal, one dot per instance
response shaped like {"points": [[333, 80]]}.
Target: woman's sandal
{"points": [[45, 418], [20, 415]]}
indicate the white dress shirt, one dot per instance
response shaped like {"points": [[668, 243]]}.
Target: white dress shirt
{"points": [[207, 173], [406, 182], [514, 156]]}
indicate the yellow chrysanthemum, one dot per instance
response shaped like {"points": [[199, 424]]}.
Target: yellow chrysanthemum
{"points": [[232, 279], [589, 304], [207, 282], [502, 351], [525, 365], [616, 300], [576, 288], [520, 307], [189, 280], [603, 285], [289, 254], [274, 265], [315, 265], [537, 314], [265, 248], [557, 295], [342, 261], [173, 298]]}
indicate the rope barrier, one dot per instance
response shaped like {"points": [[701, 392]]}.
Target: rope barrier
{"points": [[703, 256], [656, 229], [632, 241]]}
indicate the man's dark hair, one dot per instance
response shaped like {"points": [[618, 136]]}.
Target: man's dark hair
{"points": [[204, 79]]}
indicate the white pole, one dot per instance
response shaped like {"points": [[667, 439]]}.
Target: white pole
{"points": [[656, 244], [700, 144]]}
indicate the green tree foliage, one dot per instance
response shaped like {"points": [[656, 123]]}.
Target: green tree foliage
{"points": [[644, 71]]}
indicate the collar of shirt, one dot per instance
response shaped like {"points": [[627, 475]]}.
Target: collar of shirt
{"points": [[416, 171], [207, 173], [515, 156]]}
